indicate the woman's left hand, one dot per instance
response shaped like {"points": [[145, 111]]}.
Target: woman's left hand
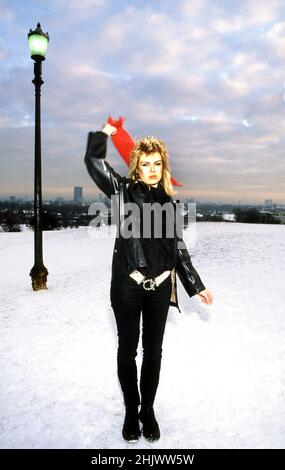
{"points": [[206, 296]]}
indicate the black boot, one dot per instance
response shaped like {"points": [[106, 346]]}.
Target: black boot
{"points": [[131, 429], [150, 426]]}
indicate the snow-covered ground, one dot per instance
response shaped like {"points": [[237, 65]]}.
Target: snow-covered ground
{"points": [[222, 382]]}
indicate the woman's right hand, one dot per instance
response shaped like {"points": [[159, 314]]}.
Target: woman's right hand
{"points": [[109, 129]]}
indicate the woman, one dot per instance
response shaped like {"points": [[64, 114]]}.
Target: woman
{"points": [[143, 270]]}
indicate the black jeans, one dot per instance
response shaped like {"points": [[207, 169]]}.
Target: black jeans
{"points": [[128, 300]]}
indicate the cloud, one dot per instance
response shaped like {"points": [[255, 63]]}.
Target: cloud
{"points": [[6, 14]]}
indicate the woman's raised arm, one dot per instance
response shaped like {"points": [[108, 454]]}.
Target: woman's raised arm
{"points": [[98, 168]]}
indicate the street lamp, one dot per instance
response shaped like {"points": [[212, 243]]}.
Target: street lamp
{"points": [[38, 42]]}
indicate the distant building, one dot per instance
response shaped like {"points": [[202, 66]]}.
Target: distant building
{"points": [[268, 203], [78, 194], [59, 199], [12, 199]]}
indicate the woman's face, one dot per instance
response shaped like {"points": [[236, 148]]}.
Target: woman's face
{"points": [[150, 168]]}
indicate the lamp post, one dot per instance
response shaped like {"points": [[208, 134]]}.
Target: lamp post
{"points": [[38, 42]]}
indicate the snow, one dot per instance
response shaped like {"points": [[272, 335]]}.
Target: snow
{"points": [[229, 217], [222, 376]]}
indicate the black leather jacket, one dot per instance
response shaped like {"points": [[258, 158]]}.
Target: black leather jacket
{"points": [[128, 253]]}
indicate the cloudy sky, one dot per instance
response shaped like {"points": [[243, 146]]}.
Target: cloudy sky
{"points": [[208, 77]]}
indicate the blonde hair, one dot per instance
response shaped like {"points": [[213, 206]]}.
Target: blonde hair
{"points": [[150, 145]]}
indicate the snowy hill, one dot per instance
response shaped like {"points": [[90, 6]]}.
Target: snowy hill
{"points": [[222, 382]]}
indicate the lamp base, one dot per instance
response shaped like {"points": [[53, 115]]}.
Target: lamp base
{"points": [[39, 277]]}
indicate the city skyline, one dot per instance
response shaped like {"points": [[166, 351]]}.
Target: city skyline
{"points": [[99, 195], [206, 77]]}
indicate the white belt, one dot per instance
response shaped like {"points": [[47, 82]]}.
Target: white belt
{"points": [[155, 282]]}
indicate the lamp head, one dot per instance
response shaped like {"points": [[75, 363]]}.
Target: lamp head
{"points": [[38, 43]]}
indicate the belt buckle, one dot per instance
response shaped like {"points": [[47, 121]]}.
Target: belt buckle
{"points": [[152, 284]]}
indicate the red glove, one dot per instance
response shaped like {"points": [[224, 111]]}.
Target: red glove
{"points": [[124, 142]]}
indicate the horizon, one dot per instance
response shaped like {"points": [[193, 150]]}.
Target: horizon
{"points": [[29, 198]]}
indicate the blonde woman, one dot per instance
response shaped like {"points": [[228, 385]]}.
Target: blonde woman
{"points": [[144, 270]]}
